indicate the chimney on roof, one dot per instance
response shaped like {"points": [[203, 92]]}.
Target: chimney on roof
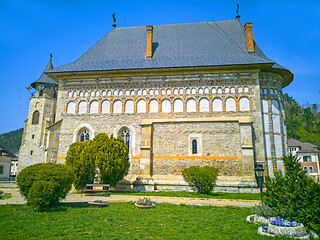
{"points": [[149, 41], [249, 38]]}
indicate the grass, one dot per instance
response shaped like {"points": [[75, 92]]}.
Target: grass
{"points": [[218, 195], [6, 196], [125, 221]]}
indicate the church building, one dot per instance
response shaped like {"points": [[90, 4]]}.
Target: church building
{"points": [[181, 95]]}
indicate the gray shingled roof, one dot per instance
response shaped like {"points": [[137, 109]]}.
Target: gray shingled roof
{"points": [[304, 146], [44, 78], [6, 151], [174, 45]]}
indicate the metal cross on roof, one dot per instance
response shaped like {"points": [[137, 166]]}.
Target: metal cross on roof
{"points": [[238, 16]]}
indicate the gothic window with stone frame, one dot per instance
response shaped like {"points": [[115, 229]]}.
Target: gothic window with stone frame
{"points": [[125, 134], [194, 146], [84, 135], [35, 118]]}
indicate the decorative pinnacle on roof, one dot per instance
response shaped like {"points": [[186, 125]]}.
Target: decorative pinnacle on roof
{"points": [[114, 20], [238, 16]]}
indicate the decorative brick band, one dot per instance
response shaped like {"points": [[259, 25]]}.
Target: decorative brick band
{"points": [[197, 131], [199, 157]]}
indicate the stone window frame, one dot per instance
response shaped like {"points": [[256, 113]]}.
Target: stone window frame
{"points": [[79, 129], [35, 117], [1, 169], [199, 138], [132, 142]]}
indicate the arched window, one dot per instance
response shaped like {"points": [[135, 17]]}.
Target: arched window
{"points": [[94, 107], [230, 104], [244, 104], [124, 132], [191, 105], [204, 105], [178, 105], [305, 168], [129, 106], [166, 106], [142, 106], [117, 106], [35, 118], [310, 169], [217, 105], [71, 107], [82, 107], [84, 135], [105, 106], [153, 106], [194, 146], [1, 169]]}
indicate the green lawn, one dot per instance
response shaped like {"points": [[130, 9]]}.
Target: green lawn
{"points": [[6, 196], [125, 221], [218, 195]]}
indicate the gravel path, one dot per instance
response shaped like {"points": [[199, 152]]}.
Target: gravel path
{"points": [[18, 199]]}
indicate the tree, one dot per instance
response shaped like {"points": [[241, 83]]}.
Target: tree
{"points": [[82, 162], [105, 158], [111, 157], [295, 195]]}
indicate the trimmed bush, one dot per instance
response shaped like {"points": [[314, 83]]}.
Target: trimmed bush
{"points": [[201, 179], [45, 184], [111, 158], [295, 195], [82, 162]]}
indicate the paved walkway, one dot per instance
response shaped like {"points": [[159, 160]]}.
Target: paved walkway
{"points": [[18, 199]]}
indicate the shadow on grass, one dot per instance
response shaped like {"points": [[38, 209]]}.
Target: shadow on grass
{"points": [[62, 207]]}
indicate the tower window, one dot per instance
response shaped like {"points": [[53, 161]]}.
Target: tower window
{"points": [[1, 169], [31, 152], [84, 135], [194, 146], [126, 136], [32, 136], [35, 118]]}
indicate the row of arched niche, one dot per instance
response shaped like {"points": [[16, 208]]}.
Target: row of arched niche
{"points": [[176, 91], [155, 106]]}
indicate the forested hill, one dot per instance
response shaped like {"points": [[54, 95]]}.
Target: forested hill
{"points": [[303, 122], [12, 140]]}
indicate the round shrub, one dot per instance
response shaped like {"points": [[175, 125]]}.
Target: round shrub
{"points": [[201, 179], [44, 184]]}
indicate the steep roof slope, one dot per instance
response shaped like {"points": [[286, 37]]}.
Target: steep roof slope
{"points": [[44, 78], [214, 43]]}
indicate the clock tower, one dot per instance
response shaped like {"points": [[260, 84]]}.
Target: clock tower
{"points": [[41, 115]]}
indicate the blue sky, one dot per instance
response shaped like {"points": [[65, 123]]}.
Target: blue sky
{"points": [[287, 31]]}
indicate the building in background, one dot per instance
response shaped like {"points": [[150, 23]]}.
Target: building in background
{"points": [[308, 154], [8, 164], [181, 95]]}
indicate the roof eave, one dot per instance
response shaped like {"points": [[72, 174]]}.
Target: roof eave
{"points": [[162, 71]]}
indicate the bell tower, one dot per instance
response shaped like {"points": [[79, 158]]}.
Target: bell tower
{"points": [[41, 114]]}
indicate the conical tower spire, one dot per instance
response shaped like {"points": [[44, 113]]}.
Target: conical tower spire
{"points": [[44, 78]]}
